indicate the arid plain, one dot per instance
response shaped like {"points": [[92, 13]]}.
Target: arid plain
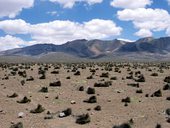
{"points": [[109, 95]]}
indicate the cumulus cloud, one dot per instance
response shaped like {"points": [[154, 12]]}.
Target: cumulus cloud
{"points": [[71, 3], [143, 14], [59, 32], [17, 26], [11, 8], [144, 33], [130, 4], [9, 42], [146, 20]]}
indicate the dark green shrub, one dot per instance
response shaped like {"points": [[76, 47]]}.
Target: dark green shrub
{"points": [[97, 108], [129, 77], [18, 125], [67, 112], [154, 74], [22, 82], [158, 126], [139, 91], [39, 109], [77, 73], [44, 89], [134, 85], [83, 119], [22, 73], [55, 72], [55, 84], [92, 99], [167, 79], [168, 98], [30, 78], [90, 90], [81, 88], [166, 87], [24, 100], [141, 78], [90, 77], [68, 77], [106, 75], [42, 76], [168, 120], [105, 84], [126, 100], [113, 78], [168, 111], [13, 95], [157, 93]]}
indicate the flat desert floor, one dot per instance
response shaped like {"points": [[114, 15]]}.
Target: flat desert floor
{"points": [[133, 93]]}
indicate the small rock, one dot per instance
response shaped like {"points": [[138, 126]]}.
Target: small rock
{"points": [[62, 114], [73, 102], [21, 115]]}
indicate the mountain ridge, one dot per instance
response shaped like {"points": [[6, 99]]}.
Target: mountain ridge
{"points": [[92, 49]]}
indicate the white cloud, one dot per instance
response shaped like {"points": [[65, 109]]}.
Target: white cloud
{"points": [[131, 4], [144, 33], [152, 25], [17, 26], [11, 8], [59, 32], [53, 13], [71, 3], [146, 20], [127, 40], [143, 14], [9, 42]]}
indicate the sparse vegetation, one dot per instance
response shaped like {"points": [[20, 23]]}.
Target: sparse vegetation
{"points": [[83, 119], [90, 90], [44, 89], [97, 108], [167, 79], [39, 109], [55, 84], [157, 93], [92, 99], [70, 89], [18, 125], [13, 95], [24, 100], [105, 84]]}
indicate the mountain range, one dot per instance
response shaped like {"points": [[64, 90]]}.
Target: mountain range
{"points": [[142, 49]]}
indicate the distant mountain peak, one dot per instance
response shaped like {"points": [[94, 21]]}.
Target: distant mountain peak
{"points": [[96, 48], [146, 39]]}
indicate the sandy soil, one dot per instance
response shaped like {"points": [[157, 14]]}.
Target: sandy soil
{"points": [[146, 112]]}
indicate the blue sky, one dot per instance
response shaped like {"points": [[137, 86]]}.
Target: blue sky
{"points": [[27, 22]]}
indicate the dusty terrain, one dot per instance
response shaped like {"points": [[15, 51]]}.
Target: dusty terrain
{"points": [[144, 110]]}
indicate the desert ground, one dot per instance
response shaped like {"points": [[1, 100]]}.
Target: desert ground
{"points": [[85, 95]]}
